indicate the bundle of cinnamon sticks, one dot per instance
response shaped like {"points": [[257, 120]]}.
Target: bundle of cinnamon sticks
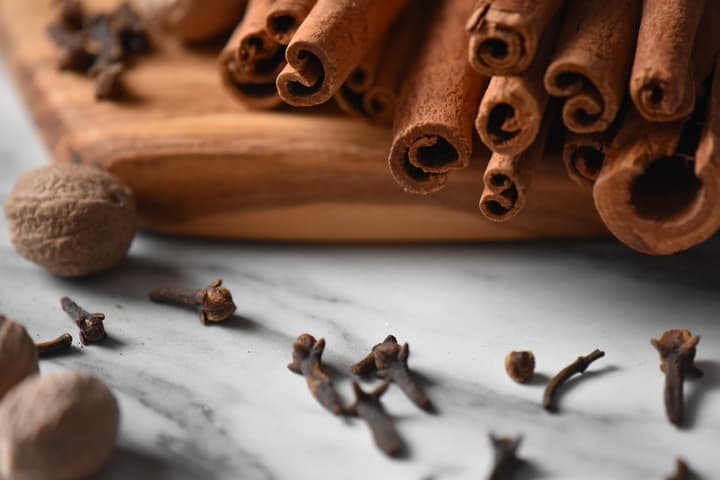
{"points": [[628, 88]]}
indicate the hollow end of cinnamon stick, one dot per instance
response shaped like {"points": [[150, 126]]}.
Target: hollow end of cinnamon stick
{"points": [[508, 128], [304, 82], [662, 100], [501, 201], [494, 47], [586, 109], [255, 94], [660, 194], [285, 17]]}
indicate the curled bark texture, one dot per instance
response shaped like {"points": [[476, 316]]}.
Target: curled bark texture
{"points": [[433, 130], [372, 89], [584, 153], [285, 17], [504, 34], [659, 189], [333, 39], [507, 178], [511, 110], [661, 83], [592, 60], [194, 20], [252, 60]]}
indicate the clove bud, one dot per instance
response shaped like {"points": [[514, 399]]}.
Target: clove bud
{"points": [[91, 325], [216, 301], [307, 361]]}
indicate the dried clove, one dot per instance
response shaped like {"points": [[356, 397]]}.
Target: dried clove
{"points": [[506, 461], [57, 345], [307, 361], [389, 362], [682, 471], [216, 301], [92, 329], [99, 45], [368, 407], [520, 366], [578, 366], [677, 350]]}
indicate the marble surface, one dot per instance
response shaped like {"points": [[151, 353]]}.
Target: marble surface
{"points": [[217, 402]]}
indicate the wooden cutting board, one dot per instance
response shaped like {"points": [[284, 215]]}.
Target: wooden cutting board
{"points": [[203, 165]]}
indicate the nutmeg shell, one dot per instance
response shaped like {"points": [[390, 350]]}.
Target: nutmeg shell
{"points": [[18, 355], [72, 220], [57, 427]]}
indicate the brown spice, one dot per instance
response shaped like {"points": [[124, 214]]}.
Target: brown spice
{"points": [[433, 128], [307, 361], [252, 59], [54, 346], [333, 39], [98, 45], [520, 366], [592, 61], [677, 350], [285, 17], [389, 362], [193, 21], [661, 84], [73, 220], [578, 366], [91, 325], [368, 407], [215, 301], [682, 471], [18, 356], [504, 34]]}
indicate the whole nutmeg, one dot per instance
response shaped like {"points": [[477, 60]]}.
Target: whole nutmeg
{"points": [[520, 366], [73, 220], [18, 355], [57, 427], [192, 21]]}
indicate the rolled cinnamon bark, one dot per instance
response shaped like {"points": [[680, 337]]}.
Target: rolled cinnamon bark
{"points": [[433, 128], [511, 111], [193, 20], [592, 60], [659, 189], [372, 89], [661, 83], [285, 17], [333, 39], [507, 178], [252, 60], [504, 34]]}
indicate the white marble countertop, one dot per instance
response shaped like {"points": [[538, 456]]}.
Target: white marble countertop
{"points": [[218, 402]]}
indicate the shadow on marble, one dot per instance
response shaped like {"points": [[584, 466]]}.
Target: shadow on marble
{"points": [[130, 463], [539, 379], [697, 390], [239, 323]]}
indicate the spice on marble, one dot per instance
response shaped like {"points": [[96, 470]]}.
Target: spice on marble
{"points": [[578, 366], [520, 365], [54, 346], [307, 361], [215, 301], [389, 362], [91, 325], [677, 348]]}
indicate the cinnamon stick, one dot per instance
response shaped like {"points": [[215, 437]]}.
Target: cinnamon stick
{"points": [[285, 17], [661, 83], [252, 60], [372, 89], [433, 130], [333, 39], [511, 110], [504, 34], [193, 20], [592, 60], [659, 189], [507, 178]]}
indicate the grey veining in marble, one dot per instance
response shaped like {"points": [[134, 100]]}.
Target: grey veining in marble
{"points": [[217, 402]]}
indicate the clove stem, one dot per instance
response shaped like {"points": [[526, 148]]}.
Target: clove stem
{"points": [[506, 461], [56, 345], [307, 361], [578, 366]]}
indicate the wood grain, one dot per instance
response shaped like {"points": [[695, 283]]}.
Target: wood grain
{"points": [[203, 165]]}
